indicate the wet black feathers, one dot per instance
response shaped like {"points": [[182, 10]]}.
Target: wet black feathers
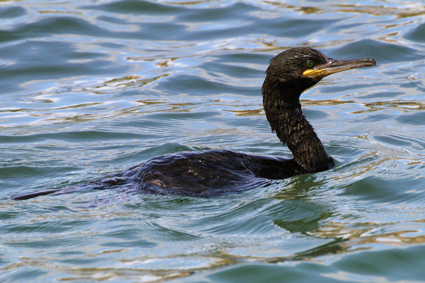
{"points": [[217, 172]]}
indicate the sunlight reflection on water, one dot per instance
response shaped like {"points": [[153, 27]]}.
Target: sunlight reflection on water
{"points": [[92, 88]]}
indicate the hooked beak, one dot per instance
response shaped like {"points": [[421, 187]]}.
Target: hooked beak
{"points": [[336, 66]]}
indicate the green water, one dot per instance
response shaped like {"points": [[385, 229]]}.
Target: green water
{"points": [[89, 88]]}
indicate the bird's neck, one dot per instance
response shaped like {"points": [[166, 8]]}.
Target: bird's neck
{"points": [[292, 128]]}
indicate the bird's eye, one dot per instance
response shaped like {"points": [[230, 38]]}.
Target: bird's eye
{"points": [[309, 64]]}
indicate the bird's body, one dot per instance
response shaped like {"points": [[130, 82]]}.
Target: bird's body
{"points": [[218, 172]]}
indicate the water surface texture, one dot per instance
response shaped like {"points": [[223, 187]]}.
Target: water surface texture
{"points": [[89, 88]]}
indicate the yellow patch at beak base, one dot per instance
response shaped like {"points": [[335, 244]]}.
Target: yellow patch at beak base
{"points": [[314, 73]]}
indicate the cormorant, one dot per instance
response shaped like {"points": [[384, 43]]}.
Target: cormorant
{"points": [[214, 173]]}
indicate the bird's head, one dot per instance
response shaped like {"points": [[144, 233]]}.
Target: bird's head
{"points": [[297, 69]]}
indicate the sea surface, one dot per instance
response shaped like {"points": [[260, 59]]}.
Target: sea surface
{"points": [[89, 88]]}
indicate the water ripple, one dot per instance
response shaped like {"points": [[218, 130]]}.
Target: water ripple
{"points": [[88, 89]]}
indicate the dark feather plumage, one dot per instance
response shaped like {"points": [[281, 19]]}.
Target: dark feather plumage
{"points": [[218, 172]]}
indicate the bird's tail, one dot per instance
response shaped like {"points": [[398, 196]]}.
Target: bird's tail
{"points": [[34, 195]]}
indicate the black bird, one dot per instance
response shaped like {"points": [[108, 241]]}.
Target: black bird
{"points": [[214, 173]]}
